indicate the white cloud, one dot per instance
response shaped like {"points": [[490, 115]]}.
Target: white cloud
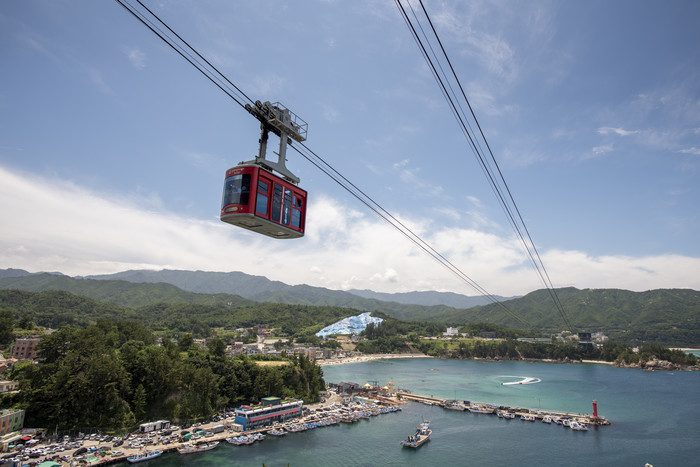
{"points": [[58, 226], [136, 57], [606, 130], [599, 150], [695, 151], [98, 80]]}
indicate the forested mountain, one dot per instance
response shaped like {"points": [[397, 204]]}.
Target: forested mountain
{"points": [[670, 316], [13, 273], [264, 290], [665, 315], [428, 298], [141, 292], [123, 293], [53, 308]]}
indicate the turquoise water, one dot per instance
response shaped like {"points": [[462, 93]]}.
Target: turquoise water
{"points": [[655, 418]]}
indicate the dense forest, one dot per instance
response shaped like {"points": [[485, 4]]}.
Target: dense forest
{"points": [[53, 308], [111, 375], [664, 316], [391, 336]]}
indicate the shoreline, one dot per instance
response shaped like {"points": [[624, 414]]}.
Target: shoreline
{"points": [[371, 357]]}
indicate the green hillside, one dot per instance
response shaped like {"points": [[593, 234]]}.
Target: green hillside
{"points": [[667, 316], [118, 292], [54, 308]]}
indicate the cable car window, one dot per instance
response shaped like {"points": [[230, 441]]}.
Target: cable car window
{"points": [[287, 206], [236, 190], [261, 199], [296, 213], [276, 203], [296, 218]]}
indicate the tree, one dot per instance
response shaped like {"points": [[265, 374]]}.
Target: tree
{"points": [[140, 403], [6, 327], [184, 342], [216, 348]]}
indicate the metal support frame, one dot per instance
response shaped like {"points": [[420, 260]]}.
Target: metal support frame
{"points": [[285, 124]]}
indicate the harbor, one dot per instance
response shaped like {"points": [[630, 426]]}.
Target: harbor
{"points": [[340, 408], [375, 440], [191, 440]]}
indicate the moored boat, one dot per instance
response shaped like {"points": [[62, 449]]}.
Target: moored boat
{"points": [[577, 426], [144, 456], [485, 409], [455, 405], [189, 448]]}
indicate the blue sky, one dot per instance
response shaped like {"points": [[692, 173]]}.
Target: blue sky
{"points": [[113, 148]]}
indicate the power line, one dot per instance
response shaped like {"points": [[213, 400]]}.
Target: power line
{"points": [[494, 176], [184, 49]]}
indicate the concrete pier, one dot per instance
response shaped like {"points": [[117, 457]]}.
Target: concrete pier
{"points": [[538, 414]]}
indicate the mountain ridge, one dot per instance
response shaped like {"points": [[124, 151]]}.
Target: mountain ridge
{"points": [[660, 315]]}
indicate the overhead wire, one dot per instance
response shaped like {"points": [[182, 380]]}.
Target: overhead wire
{"points": [[538, 263], [215, 77], [184, 49], [495, 176]]}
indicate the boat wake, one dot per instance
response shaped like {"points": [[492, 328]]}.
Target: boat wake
{"points": [[521, 380]]}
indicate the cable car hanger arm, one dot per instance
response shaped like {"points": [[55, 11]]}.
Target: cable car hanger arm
{"points": [[285, 124]]}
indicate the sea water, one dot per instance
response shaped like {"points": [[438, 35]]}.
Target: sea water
{"points": [[655, 419]]}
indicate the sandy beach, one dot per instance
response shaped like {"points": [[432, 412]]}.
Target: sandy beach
{"points": [[369, 357]]}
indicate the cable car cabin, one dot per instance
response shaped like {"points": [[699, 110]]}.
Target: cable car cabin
{"points": [[257, 200]]}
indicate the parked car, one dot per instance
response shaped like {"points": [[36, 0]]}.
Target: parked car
{"points": [[79, 451]]}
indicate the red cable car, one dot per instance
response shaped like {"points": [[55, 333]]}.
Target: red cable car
{"points": [[258, 200], [255, 198]]}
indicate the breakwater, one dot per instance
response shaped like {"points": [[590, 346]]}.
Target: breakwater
{"points": [[502, 411]]}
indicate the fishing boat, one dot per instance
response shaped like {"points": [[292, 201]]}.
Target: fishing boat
{"points": [[143, 456], [421, 435], [485, 409], [455, 405], [189, 448], [578, 426]]}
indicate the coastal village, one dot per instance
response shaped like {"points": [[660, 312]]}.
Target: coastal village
{"points": [[343, 402]]}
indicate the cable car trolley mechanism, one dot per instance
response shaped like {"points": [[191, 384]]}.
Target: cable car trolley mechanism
{"points": [[254, 197]]}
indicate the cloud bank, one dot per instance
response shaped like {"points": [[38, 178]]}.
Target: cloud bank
{"points": [[51, 225]]}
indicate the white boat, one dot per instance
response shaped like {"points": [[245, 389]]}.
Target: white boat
{"points": [[201, 447], [577, 426], [421, 435], [144, 456], [455, 406], [486, 409]]}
